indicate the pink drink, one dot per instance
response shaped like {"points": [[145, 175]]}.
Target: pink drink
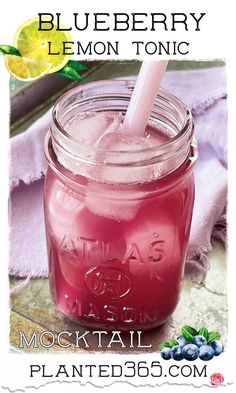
{"points": [[117, 236]]}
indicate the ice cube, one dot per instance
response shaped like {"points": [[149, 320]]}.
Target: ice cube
{"points": [[91, 240], [89, 127], [118, 141], [118, 167], [154, 239], [154, 256], [115, 203], [63, 208]]}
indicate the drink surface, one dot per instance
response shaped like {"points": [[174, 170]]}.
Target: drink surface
{"points": [[117, 246]]}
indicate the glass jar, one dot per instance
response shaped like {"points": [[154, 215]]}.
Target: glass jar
{"points": [[118, 223]]}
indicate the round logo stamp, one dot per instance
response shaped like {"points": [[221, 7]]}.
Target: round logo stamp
{"points": [[108, 283], [217, 379]]}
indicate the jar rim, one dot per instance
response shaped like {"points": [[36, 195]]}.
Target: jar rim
{"points": [[185, 131]]}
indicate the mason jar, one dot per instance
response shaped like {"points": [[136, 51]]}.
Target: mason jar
{"points": [[117, 221]]}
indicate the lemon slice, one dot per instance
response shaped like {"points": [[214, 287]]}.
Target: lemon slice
{"points": [[33, 44], [26, 69]]}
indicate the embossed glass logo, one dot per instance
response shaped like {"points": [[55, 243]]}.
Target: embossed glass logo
{"points": [[108, 283]]}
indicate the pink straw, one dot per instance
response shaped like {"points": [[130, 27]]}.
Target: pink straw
{"points": [[143, 97]]}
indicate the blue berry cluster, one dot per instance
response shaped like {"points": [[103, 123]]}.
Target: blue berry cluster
{"points": [[193, 345]]}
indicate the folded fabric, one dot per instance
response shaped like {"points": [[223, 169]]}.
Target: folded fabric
{"points": [[205, 92]]}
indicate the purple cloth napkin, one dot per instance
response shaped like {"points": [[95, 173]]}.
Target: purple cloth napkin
{"points": [[205, 92]]}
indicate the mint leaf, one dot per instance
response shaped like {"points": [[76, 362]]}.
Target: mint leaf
{"points": [[173, 342], [69, 72], [76, 65], [168, 344], [9, 50], [213, 336], [188, 333], [204, 332], [164, 345]]}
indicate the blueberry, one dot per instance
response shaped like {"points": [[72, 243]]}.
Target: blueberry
{"points": [[177, 352], [199, 341], [217, 347], [166, 353], [206, 352], [190, 352], [181, 340]]}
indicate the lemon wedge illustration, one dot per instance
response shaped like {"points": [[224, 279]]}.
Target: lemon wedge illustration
{"points": [[26, 69], [33, 45]]}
